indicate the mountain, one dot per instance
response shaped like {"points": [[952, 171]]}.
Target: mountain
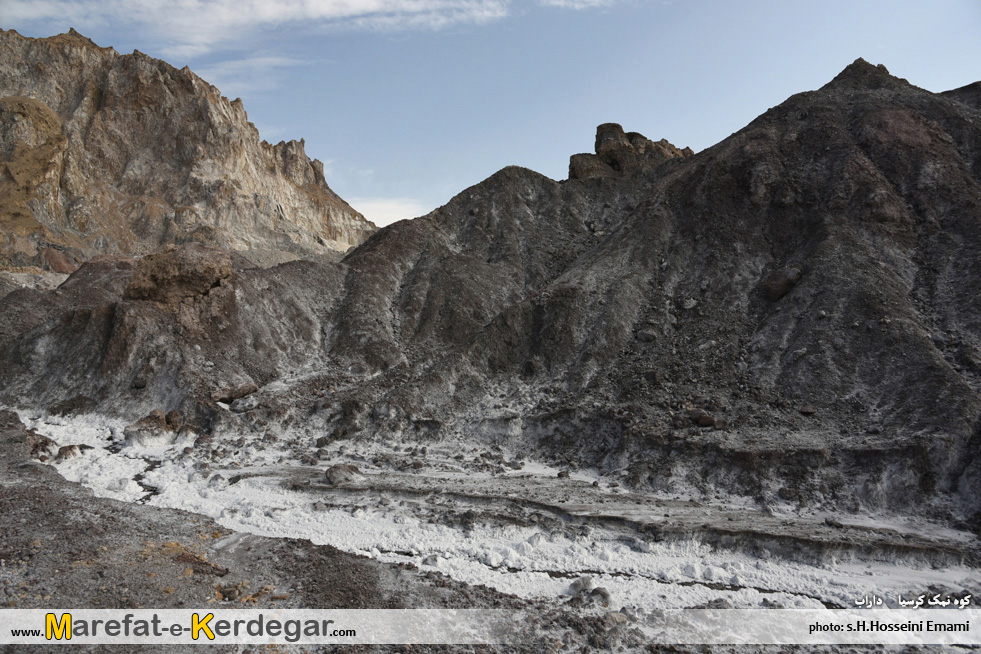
{"points": [[788, 316], [103, 153]]}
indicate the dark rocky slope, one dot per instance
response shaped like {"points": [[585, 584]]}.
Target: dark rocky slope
{"points": [[120, 154], [790, 315]]}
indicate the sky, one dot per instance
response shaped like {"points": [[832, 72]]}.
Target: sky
{"points": [[409, 102]]}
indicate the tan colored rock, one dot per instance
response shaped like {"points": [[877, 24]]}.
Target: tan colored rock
{"points": [[67, 452], [120, 154], [57, 262], [179, 272], [174, 419], [151, 430]]}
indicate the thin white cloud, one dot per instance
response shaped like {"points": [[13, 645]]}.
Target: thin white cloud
{"points": [[190, 28], [473, 13], [576, 4], [385, 211], [19, 11]]}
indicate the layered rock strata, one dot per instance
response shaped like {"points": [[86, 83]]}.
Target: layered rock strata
{"points": [[790, 315], [103, 153]]}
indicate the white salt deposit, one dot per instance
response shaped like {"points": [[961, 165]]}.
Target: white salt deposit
{"points": [[268, 493]]}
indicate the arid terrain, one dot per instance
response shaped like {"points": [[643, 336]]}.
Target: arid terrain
{"points": [[746, 377]]}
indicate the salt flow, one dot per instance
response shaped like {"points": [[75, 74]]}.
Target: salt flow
{"points": [[524, 531]]}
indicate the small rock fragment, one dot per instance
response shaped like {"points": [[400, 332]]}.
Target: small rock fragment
{"points": [[615, 619], [702, 418], [230, 394], [646, 335], [230, 593], [67, 452], [343, 473], [780, 282], [600, 595]]}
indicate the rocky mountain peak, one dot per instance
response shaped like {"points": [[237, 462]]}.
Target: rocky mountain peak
{"points": [[619, 153], [73, 38], [860, 74], [790, 315], [102, 153]]}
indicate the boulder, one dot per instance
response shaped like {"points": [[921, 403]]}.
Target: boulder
{"points": [[229, 394], [343, 473]]}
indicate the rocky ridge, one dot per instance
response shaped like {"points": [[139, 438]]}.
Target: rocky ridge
{"points": [[103, 153], [788, 316]]}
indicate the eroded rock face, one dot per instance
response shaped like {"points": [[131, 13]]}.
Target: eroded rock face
{"points": [[621, 322], [179, 272], [32, 150], [621, 153], [120, 154]]}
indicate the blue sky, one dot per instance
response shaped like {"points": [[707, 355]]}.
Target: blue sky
{"points": [[408, 102]]}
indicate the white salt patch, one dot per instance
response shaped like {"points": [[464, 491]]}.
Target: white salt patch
{"points": [[513, 559], [107, 474]]}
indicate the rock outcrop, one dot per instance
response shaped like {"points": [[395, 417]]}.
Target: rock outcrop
{"points": [[103, 153], [619, 153], [178, 273], [790, 315]]}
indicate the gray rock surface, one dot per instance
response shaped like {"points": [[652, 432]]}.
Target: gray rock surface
{"points": [[510, 316], [29, 278], [343, 473], [790, 317]]}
